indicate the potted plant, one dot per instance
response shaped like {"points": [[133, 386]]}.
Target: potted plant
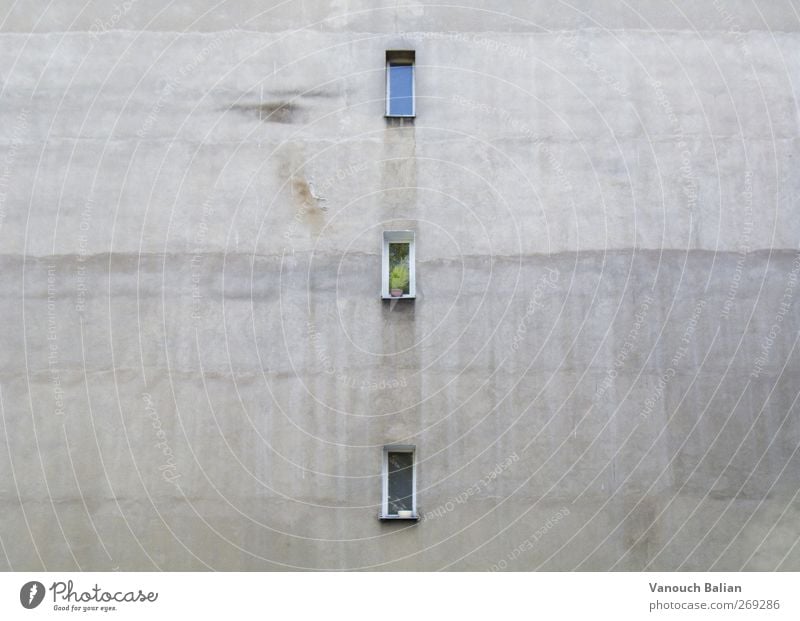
{"points": [[398, 280]]}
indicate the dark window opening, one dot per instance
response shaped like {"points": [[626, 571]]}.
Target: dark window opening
{"points": [[400, 493]]}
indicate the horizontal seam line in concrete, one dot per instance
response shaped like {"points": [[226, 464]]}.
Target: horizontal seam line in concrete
{"points": [[404, 34], [84, 258], [76, 371], [665, 139]]}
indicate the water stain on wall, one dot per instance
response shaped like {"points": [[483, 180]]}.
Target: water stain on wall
{"points": [[271, 112]]}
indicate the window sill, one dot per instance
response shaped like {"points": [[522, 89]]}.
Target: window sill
{"points": [[399, 297], [413, 518], [399, 116]]}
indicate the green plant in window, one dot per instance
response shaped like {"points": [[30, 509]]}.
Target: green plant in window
{"points": [[398, 280]]}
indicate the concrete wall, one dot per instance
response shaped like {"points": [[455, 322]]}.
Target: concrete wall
{"points": [[196, 369]]}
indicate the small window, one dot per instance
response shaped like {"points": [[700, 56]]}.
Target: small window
{"points": [[399, 483], [398, 279], [400, 83]]}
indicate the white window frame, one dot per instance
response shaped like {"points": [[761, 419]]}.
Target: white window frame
{"points": [[402, 237], [399, 448], [402, 57]]}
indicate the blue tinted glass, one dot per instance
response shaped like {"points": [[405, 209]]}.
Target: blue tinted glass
{"points": [[401, 81]]}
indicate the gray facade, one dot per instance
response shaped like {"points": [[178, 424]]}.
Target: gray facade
{"points": [[599, 370]]}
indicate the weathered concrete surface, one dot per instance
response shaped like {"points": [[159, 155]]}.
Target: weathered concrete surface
{"points": [[196, 370]]}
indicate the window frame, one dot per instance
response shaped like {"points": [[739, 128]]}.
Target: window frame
{"points": [[398, 448], [406, 58], [402, 237]]}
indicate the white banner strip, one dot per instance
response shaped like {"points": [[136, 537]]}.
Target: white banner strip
{"points": [[370, 596]]}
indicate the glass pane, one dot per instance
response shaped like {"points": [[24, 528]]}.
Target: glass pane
{"points": [[401, 81], [399, 275], [401, 482]]}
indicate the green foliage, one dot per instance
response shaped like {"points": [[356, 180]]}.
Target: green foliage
{"points": [[398, 277], [398, 253]]}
